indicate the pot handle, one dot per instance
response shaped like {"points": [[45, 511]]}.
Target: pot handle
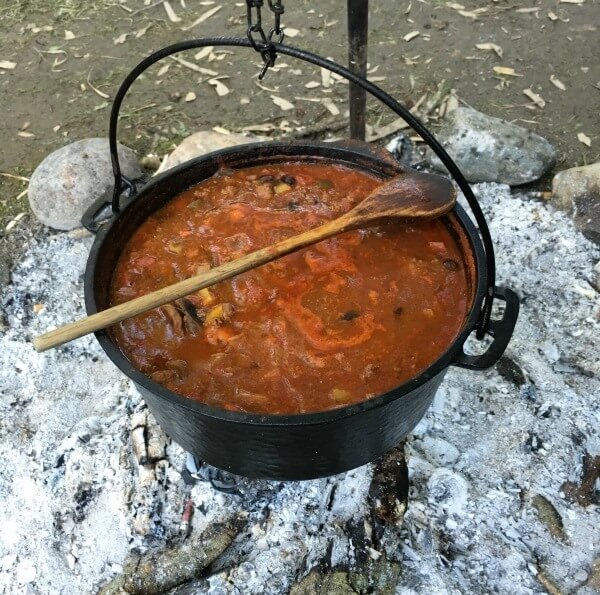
{"points": [[100, 211], [501, 331]]}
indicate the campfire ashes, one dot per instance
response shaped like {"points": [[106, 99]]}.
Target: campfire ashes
{"points": [[503, 493]]}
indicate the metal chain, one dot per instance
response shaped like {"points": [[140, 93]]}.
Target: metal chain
{"points": [[261, 42]]}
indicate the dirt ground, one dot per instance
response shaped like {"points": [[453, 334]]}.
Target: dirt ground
{"points": [[71, 55]]}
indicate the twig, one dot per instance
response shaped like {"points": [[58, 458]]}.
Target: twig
{"points": [[158, 3], [7, 175], [94, 89]]}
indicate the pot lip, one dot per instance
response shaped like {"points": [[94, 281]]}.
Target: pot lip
{"points": [[315, 150]]}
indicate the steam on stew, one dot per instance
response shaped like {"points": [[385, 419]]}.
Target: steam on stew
{"points": [[333, 324]]}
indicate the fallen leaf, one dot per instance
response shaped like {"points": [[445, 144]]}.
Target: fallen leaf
{"points": [[121, 39], [529, 9], [24, 134], [331, 107], [171, 13], [383, 131], [45, 28], [312, 84], [284, 104], [6, 65], [470, 15], [259, 128], [557, 83], [69, 35], [411, 35], [537, 99], [585, 139], [56, 128], [505, 70], [142, 31], [191, 96], [325, 77], [202, 18], [290, 32], [572, 1], [455, 5], [220, 87], [552, 16], [95, 89], [204, 52], [164, 69], [221, 130], [490, 46], [194, 67]]}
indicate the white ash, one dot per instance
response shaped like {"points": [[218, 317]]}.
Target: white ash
{"points": [[76, 496]]}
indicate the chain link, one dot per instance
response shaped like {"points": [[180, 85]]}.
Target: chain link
{"points": [[261, 42]]}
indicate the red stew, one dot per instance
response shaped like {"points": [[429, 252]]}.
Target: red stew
{"points": [[337, 323]]}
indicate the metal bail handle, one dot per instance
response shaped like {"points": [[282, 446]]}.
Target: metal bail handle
{"points": [[122, 183]]}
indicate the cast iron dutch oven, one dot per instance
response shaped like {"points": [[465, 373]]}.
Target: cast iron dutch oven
{"points": [[306, 446]]}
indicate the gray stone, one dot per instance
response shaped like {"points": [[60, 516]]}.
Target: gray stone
{"points": [[202, 142], [488, 149], [577, 191], [69, 180], [440, 451]]}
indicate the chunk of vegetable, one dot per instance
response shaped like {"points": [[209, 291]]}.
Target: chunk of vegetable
{"points": [[282, 188], [206, 296], [219, 314], [339, 394], [176, 247]]}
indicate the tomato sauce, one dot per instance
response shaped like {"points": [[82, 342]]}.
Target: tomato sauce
{"points": [[336, 323]]}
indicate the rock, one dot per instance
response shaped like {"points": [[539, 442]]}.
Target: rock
{"points": [[440, 451], [488, 149], [69, 180], [150, 162], [577, 190], [204, 142]]}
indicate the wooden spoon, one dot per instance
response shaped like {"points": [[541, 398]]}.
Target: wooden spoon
{"points": [[408, 196]]}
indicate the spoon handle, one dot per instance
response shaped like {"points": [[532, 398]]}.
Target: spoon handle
{"points": [[157, 298]]}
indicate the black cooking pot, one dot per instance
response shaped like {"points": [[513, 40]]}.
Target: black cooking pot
{"points": [[308, 445]]}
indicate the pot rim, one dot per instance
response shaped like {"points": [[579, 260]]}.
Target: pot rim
{"points": [[316, 151]]}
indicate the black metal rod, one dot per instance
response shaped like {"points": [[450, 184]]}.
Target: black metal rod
{"points": [[358, 32], [371, 88]]}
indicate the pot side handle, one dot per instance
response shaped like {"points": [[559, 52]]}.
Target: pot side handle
{"points": [[99, 212], [501, 331]]}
